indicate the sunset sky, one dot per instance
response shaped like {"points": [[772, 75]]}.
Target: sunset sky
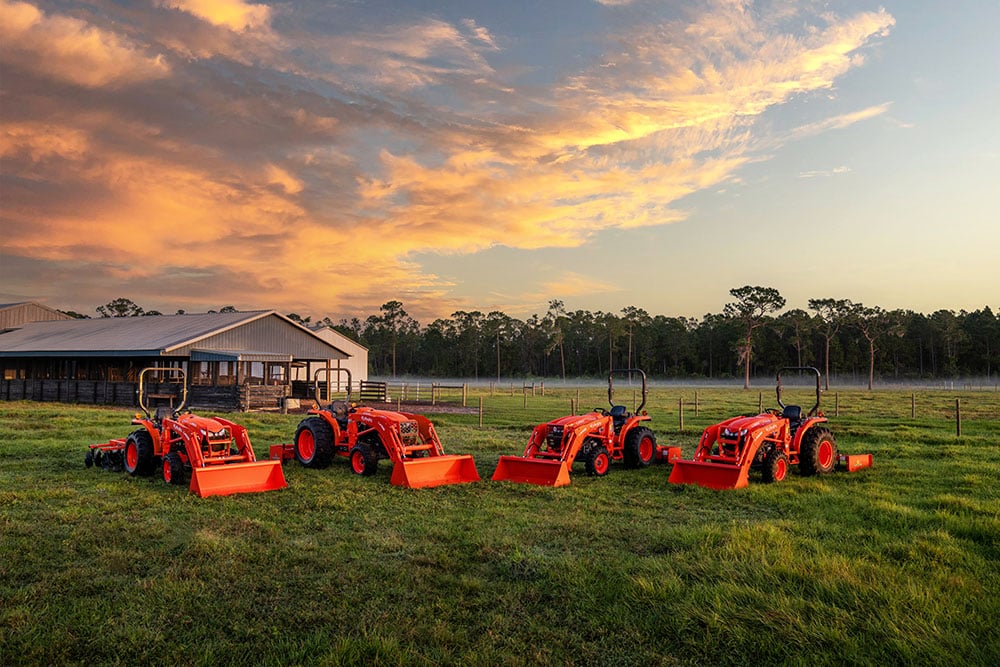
{"points": [[326, 157]]}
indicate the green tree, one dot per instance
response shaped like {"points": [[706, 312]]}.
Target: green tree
{"points": [[833, 314], [874, 324], [751, 309], [120, 307]]}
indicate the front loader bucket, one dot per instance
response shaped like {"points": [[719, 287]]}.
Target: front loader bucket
{"points": [[710, 475], [223, 480], [531, 471], [434, 471]]}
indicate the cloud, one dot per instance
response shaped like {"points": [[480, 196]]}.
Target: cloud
{"points": [[70, 50], [274, 165], [836, 171], [839, 122], [232, 14]]}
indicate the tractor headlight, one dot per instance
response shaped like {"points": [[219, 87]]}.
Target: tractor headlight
{"points": [[218, 435]]}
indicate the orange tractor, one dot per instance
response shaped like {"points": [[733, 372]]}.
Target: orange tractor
{"points": [[364, 435], [769, 442], [215, 452], [597, 438]]}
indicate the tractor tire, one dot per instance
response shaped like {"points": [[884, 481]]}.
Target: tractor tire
{"points": [[139, 459], [775, 466], [88, 460], [364, 462], [818, 453], [314, 443], [640, 447], [598, 461], [173, 469]]}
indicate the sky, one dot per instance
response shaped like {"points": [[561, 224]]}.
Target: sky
{"points": [[323, 157]]}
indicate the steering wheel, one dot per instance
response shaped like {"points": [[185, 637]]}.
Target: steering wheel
{"points": [[603, 412]]}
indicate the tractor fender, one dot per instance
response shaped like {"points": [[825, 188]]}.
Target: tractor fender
{"points": [[154, 433], [804, 428], [632, 422], [331, 422]]}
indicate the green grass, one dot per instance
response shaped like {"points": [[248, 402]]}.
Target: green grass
{"points": [[897, 564]]}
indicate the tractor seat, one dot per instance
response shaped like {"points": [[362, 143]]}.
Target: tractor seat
{"points": [[618, 414], [793, 413]]}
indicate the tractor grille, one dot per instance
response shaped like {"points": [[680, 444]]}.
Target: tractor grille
{"points": [[409, 433]]}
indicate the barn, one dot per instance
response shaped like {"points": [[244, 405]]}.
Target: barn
{"points": [[233, 361]]}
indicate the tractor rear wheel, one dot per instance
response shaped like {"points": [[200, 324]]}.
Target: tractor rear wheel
{"points": [[139, 453], [314, 443], [818, 453], [598, 461], [775, 466], [640, 447], [363, 459], [173, 468]]}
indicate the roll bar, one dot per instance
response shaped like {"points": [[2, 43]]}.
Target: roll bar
{"points": [[328, 371], [628, 372], [800, 369], [169, 371]]}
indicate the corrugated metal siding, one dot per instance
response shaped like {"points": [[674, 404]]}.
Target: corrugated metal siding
{"points": [[17, 314], [266, 334]]}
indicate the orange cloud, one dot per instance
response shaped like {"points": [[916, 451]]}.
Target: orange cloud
{"points": [[233, 14], [69, 50], [310, 177]]}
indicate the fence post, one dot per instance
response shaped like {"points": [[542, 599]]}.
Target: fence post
{"points": [[543, 388], [433, 394], [572, 407], [480, 412], [958, 418], [760, 402], [680, 412], [398, 406], [465, 393], [524, 392]]}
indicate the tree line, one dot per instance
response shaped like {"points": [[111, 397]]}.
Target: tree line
{"points": [[751, 337]]}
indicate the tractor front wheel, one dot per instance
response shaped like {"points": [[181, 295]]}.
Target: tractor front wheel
{"points": [[139, 453], [363, 460], [598, 462], [173, 468], [818, 454], [640, 447], [314, 443], [775, 466]]}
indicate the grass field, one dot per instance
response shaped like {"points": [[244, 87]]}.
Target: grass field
{"points": [[895, 565]]}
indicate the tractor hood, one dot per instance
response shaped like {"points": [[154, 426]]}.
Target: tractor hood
{"points": [[574, 422], [747, 424], [205, 424]]}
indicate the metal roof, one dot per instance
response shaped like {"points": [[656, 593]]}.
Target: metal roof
{"points": [[161, 335]]}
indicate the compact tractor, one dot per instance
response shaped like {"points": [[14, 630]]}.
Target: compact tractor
{"points": [[215, 453], [596, 438], [769, 442], [364, 435]]}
